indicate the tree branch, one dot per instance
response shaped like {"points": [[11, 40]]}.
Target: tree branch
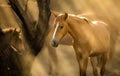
{"points": [[44, 15], [27, 22], [34, 36]]}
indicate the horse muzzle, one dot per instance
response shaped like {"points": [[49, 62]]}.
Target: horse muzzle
{"points": [[55, 43]]}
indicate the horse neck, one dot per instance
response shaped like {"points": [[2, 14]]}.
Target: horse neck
{"points": [[75, 28]]}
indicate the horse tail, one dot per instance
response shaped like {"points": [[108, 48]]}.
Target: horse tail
{"points": [[112, 50], [114, 38]]}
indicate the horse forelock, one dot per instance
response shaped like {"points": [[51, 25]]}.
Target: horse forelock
{"points": [[60, 18]]}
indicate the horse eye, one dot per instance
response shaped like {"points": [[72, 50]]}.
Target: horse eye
{"points": [[61, 27]]}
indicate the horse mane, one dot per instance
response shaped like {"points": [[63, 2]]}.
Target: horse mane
{"points": [[85, 19], [60, 17]]}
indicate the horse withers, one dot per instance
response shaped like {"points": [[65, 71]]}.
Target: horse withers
{"points": [[91, 39]]}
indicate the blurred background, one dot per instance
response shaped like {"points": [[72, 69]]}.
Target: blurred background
{"points": [[62, 60]]}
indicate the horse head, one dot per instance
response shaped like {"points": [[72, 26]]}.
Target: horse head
{"points": [[60, 29]]}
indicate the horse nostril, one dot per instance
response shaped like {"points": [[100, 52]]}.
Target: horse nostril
{"points": [[55, 43]]}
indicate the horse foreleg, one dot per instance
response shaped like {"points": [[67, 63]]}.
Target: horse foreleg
{"points": [[94, 65], [104, 59], [82, 59], [83, 65], [78, 58]]}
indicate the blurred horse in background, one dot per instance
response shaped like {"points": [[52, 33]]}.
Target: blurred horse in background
{"points": [[11, 38], [91, 39]]}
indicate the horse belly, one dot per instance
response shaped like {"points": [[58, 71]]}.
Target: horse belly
{"points": [[98, 48]]}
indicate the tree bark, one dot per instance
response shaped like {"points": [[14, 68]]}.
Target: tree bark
{"points": [[42, 27]]}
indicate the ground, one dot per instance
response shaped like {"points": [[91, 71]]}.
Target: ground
{"points": [[67, 64]]}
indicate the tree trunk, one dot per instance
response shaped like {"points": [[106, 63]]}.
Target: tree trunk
{"points": [[33, 32]]}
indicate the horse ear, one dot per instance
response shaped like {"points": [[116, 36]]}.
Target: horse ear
{"points": [[55, 13], [65, 16]]}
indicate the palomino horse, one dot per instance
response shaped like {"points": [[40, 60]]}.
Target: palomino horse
{"points": [[11, 38], [91, 39]]}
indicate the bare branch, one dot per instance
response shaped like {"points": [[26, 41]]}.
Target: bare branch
{"points": [[27, 22]]}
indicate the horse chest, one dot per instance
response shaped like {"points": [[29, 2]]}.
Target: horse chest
{"points": [[83, 45]]}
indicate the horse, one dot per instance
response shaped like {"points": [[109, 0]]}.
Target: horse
{"points": [[11, 38], [91, 39]]}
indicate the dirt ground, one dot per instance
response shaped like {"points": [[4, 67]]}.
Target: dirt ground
{"points": [[67, 64]]}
